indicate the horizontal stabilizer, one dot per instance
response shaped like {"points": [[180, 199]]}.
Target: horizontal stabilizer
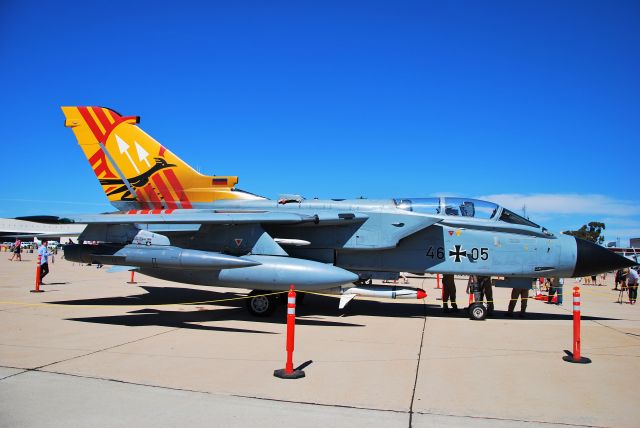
{"points": [[193, 216]]}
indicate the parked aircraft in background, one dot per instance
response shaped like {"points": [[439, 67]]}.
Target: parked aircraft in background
{"points": [[177, 224], [39, 227]]}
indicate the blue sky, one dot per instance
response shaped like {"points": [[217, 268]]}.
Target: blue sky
{"points": [[526, 103]]}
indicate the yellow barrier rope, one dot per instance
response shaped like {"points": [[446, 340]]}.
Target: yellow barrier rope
{"points": [[565, 292]]}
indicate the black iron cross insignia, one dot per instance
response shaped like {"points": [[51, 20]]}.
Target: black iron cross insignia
{"points": [[458, 253]]}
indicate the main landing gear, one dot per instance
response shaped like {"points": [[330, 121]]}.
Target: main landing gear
{"points": [[263, 303], [260, 305]]}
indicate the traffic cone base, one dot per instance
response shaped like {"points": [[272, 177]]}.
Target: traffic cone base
{"points": [[282, 374], [582, 360]]}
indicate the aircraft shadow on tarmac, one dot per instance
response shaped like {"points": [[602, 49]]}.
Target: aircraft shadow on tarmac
{"points": [[314, 305], [153, 315]]}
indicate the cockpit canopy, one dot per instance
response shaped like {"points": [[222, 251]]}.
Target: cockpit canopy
{"points": [[463, 207]]}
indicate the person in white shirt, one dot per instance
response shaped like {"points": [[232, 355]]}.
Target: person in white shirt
{"points": [[44, 254]]}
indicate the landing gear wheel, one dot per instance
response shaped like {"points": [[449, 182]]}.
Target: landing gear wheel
{"points": [[477, 311], [260, 305]]}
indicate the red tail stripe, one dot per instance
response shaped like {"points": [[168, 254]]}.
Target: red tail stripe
{"points": [[177, 188], [164, 191], [168, 211], [109, 114], [153, 196], [104, 121], [92, 124], [99, 112], [98, 162]]}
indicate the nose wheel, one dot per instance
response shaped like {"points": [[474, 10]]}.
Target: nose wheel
{"points": [[477, 311]]}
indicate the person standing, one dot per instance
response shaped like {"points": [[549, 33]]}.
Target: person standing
{"points": [[632, 283], [559, 290], [449, 293], [44, 254], [486, 291], [17, 251], [523, 293]]}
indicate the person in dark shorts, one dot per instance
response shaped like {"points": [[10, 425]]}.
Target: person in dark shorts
{"points": [[17, 251]]}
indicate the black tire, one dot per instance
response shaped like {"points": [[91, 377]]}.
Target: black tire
{"points": [[260, 305], [477, 311]]}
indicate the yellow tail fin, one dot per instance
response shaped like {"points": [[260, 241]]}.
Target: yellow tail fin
{"points": [[137, 172]]}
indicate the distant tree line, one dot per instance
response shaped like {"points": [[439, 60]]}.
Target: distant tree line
{"points": [[591, 232]]}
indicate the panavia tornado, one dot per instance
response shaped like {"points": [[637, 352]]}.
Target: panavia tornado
{"points": [[176, 224]]}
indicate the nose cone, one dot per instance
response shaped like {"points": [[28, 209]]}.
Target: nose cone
{"points": [[592, 259]]}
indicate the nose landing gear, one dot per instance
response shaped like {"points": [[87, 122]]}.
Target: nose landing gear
{"points": [[477, 311]]}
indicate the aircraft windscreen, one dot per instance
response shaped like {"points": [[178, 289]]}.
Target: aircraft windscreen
{"points": [[469, 208], [513, 218], [419, 205]]}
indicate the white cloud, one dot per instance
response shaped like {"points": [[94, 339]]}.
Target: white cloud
{"points": [[566, 204], [621, 222]]}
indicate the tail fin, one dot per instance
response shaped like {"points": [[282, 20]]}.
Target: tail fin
{"points": [[137, 172]]}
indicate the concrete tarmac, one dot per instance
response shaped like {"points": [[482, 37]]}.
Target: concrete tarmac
{"points": [[95, 350]]}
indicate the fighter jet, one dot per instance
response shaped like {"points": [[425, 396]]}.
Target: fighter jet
{"points": [[176, 224]]}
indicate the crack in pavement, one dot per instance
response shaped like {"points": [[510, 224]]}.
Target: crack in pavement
{"points": [[415, 382], [36, 369]]}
